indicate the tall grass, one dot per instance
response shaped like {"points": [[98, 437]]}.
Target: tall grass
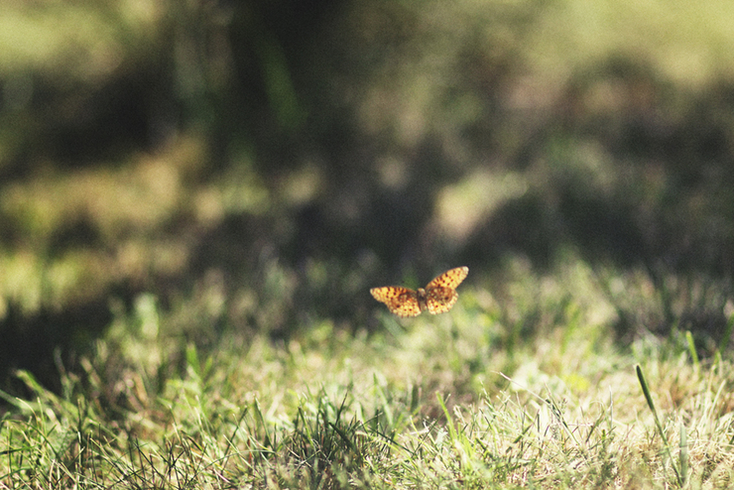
{"points": [[435, 402]]}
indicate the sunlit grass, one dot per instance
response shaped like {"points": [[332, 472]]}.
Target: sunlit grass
{"points": [[73, 41], [682, 40], [449, 401], [522, 384]]}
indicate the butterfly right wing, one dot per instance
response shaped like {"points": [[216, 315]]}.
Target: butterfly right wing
{"points": [[399, 300], [440, 300], [449, 279], [441, 292]]}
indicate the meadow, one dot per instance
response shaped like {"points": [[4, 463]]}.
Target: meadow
{"points": [[196, 199], [467, 399]]}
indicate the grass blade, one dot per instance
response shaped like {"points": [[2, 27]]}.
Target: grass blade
{"points": [[648, 397]]}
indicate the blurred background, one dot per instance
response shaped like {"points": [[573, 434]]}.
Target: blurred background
{"points": [[258, 165]]}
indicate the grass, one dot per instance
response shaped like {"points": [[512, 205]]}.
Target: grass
{"points": [[450, 401], [522, 384]]}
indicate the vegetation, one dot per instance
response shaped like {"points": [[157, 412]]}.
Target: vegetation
{"points": [[196, 197], [460, 400]]}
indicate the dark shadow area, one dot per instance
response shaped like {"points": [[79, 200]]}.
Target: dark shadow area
{"points": [[38, 342]]}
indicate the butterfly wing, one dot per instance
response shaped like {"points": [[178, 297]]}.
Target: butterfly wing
{"points": [[441, 292], [449, 279], [400, 301], [440, 300]]}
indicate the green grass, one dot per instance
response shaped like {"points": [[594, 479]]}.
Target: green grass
{"points": [[461, 400], [521, 385]]}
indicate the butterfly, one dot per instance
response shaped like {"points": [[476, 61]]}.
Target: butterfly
{"points": [[437, 297]]}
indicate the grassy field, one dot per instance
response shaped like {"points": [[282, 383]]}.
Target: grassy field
{"points": [[529, 391], [207, 293]]}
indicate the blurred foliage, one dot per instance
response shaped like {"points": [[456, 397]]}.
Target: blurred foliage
{"points": [[259, 165]]}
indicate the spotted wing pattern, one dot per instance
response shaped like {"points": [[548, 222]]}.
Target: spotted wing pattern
{"points": [[441, 292], [399, 300], [449, 279], [439, 296], [440, 300]]}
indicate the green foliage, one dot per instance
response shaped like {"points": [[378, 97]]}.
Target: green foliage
{"points": [[666, 444], [197, 196], [289, 162], [439, 403]]}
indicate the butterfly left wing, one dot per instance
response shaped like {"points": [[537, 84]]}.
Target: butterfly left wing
{"points": [[399, 300]]}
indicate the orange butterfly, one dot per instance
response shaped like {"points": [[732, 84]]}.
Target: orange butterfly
{"points": [[438, 296]]}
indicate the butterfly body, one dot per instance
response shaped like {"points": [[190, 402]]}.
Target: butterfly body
{"points": [[439, 296]]}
